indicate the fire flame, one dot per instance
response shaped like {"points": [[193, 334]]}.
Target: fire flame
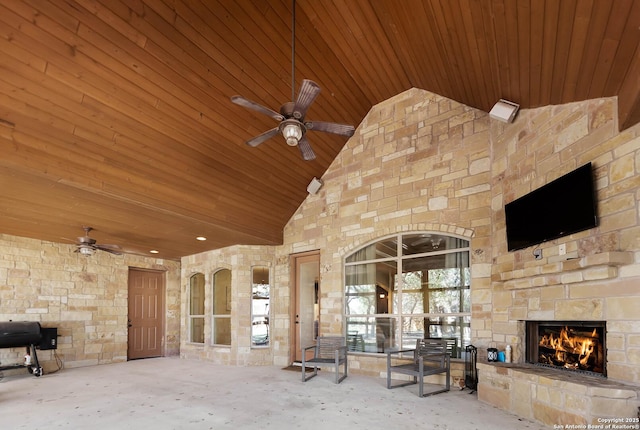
{"points": [[564, 343]]}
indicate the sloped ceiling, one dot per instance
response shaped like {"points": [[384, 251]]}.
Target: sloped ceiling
{"points": [[117, 114]]}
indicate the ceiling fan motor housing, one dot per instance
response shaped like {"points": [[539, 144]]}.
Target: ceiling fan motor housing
{"points": [[287, 110], [86, 240]]}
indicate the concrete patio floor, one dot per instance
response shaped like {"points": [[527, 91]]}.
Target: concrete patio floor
{"points": [[172, 393]]}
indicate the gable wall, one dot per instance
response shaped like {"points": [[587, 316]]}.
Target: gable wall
{"points": [[418, 162]]}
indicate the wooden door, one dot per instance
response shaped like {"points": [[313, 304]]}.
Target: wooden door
{"points": [[306, 306], [146, 314]]}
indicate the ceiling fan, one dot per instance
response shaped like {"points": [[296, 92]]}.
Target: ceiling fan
{"points": [[293, 126], [86, 245]]}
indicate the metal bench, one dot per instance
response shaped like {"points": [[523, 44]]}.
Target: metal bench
{"points": [[430, 357], [328, 350]]}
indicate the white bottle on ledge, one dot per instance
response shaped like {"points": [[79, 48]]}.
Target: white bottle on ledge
{"points": [[507, 355]]}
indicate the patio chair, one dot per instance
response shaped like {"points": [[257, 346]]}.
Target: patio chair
{"points": [[429, 358], [328, 351]]}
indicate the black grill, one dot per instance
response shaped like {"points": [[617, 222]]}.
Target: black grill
{"points": [[16, 334]]}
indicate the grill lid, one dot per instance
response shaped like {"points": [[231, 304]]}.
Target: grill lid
{"points": [[14, 334]]}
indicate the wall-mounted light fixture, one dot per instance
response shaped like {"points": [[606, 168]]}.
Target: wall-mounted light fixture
{"points": [[504, 111], [314, 186]]}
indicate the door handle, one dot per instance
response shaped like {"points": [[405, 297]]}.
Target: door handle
{"points": [[129, 323], [297, 319]]}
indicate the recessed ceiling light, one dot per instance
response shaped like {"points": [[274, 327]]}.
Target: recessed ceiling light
{"points": [[153, 251], [201, 238]]}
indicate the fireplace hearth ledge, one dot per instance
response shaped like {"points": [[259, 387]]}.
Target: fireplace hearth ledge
{"points": [[553, 396]]}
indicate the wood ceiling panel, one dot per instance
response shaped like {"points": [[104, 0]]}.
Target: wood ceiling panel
{"points": [[596, 28], [549, 37], [523, 12], [536, 49], [579, 33], [479, 39], [445, 36], [608, 48], [501, 49], [564, 30], [513, 38], [348, 34], [626, 48], [118, 113], [137, 229]]}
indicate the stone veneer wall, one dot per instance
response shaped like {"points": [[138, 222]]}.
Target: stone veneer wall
{"points": [[239, 260], [421, 162], [597, 279], [84, 297], [418, 162], [599, 276]]}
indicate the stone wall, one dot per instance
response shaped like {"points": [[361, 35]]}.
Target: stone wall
{"points": [[239, 260], [84, 297], [418, 162], [423, 162], [598, 277], [556, 398]]}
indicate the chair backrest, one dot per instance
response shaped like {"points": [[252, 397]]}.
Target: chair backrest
{"points": [[326, 346], [452, 345], [427, 347]]}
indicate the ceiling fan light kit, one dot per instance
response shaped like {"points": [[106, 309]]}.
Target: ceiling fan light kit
{"points": [[292, 131], [86, 250]]}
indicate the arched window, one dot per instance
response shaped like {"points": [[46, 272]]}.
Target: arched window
{"points": [[406, 287], [196, 308], [221, 308]]}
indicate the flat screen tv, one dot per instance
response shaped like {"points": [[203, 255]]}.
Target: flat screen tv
{"points": [[564, 206]]}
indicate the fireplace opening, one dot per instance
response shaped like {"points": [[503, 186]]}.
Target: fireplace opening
{"points": [[577, 346]]}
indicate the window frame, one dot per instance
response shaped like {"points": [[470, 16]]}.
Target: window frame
{"points": [[192, 317], [265, 315], [398, 316], [228, 303]]}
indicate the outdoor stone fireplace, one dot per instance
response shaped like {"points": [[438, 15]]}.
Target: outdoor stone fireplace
{"points": [[572, 327], [574, 346]]}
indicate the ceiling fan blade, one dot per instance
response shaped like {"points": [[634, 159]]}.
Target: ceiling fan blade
{"points": [[113, 249], [108, 246], [309, 90], [241, 101], [331, 127], [262, 137], [305, 149]]}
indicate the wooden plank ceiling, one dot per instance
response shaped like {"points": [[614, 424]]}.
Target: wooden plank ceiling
{"points": [[117, 114]]}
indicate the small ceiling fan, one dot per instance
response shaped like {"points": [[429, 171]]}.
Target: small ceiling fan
{"points": [[86, 245], [293, 126]]}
